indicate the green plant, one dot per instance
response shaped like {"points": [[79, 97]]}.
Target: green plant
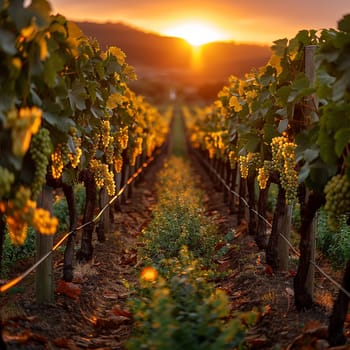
{"points": [[60, 208], [12, 253], [335, 245], [184, 311], [179, 218]]}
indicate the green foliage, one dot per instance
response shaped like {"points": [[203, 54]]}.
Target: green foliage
{"points": [[60, 208], [12, 253], [334, 244], [176, 226], [184, 311], [178, 219]]}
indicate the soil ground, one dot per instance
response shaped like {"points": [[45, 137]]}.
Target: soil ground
{"points": [[93, 312]]}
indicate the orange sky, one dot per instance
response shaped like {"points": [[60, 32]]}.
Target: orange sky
{"points": [[241, 20]]}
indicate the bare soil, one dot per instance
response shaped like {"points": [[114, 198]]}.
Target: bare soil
{"points": [[92, 312]]}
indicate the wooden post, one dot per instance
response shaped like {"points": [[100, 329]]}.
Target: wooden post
{"points": [[311, 105], [44, 280], [132, 185], [103, 225], [282, 245], [126, 174]]}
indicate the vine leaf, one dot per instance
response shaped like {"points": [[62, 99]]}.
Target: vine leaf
{"points": [[283, 125], [77, 96], [342, 138], [7, 42]]}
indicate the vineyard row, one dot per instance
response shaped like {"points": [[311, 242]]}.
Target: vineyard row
{"points": [[67, 115], [287, 123]]}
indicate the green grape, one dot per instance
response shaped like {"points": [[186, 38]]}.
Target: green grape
{"points": [[40, 150], [243, 166], [74, 154], [109, 152], [264, 174], [254, 161], [337, 193], [283, 160], [6, 180]]}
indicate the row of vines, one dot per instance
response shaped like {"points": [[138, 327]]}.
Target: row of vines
{"points": [[287, 123], [67, 115]]}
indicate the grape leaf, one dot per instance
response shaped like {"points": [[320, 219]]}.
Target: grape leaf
{"points": [[283, 125], [7, 42], [77, 95], [342, 138]]}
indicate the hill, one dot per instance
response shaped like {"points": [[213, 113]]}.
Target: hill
{"points": [[164, 63]]}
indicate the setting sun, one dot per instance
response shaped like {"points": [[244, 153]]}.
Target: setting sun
{"points": [[195, 33]]}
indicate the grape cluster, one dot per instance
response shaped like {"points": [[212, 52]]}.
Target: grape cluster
{"points": [[243, 166], [264, 174], [93, 148], [337, 193], [139, 142], [102, 176], [284, 162], [109, 151], [57, 163], [6, 180], [123, 137], [251, 161], [43, 222], [19, 213], [254, 161], [118, 164], [40, 149], [106, 129], [74, 157]]}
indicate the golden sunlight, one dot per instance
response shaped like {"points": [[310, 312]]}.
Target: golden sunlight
{"points": [[195, 33]]}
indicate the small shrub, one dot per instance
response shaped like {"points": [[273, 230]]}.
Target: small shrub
{"points": [[12, 253], [184, 311], [334, 245], [179, 219]]}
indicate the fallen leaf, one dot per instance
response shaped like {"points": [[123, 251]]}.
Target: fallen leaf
{"points": [[268, 269], [65, 343], [242, 228], [119, 312], [69, 289], [256, 341]]}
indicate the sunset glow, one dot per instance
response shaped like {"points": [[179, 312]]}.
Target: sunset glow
{"points": [[195, 33]]}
